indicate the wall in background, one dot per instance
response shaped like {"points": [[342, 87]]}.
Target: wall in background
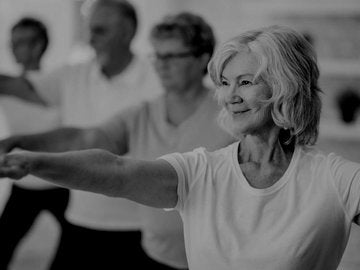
{"points": [[332, 23]]}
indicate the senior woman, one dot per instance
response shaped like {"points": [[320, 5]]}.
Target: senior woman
{"points": [[268, 201]]}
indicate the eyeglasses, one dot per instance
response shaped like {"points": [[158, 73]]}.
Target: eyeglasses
{"points": [[170, 56]]}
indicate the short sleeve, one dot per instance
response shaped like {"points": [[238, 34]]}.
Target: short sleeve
{"points": [[346, 176], [189, 168]]}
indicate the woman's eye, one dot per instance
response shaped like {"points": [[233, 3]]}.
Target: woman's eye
{"points": [[224, 83], [245, 82]]}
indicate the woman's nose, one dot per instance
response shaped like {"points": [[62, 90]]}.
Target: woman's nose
{"points": [[235, 99], [233, 94]]}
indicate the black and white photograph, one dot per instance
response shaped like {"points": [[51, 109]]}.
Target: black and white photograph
{"points": [[180, 134]]}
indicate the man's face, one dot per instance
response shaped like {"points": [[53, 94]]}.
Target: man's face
{"points": [[23, 41], [106, 33]]}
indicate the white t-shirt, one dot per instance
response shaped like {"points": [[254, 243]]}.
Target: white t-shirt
{"points": [[301, 222], [27, 118], [87, 98], [149, 136], [343, 139]]}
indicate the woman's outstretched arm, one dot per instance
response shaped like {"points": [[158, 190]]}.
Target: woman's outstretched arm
{"points": [[153, 183]]}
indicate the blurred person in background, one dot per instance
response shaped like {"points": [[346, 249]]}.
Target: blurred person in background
{"points": [[29, 42], [179, 120], [86, 94]]}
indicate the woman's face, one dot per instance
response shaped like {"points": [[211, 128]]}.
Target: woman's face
{"points": [[241, 97], [176, 64]]}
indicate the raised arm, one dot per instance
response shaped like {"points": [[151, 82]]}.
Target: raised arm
{"points": [[152, 183], [62, 139]]}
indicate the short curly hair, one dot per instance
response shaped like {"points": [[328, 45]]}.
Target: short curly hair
{"points": [[192, 29], [288, 65]]}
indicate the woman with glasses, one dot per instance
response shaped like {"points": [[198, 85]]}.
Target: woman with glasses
{"points": [[180, 120]]}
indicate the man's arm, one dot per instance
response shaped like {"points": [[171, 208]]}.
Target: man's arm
{"points": [[153, 183], [21, 88], [62, 139]]}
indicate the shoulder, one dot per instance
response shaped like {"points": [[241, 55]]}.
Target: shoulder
{"points": [[200, 158], [226, 153], [312, 154], [322, 162], [310, 158]]}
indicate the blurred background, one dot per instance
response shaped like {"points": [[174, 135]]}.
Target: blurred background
{"points": [[333, 27]]}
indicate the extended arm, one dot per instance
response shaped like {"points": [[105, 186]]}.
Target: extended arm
{"points": [[21, 88], [62, 139], [151, 183]]}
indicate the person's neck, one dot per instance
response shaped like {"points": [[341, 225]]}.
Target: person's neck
{"points": [[182, 104], [117, 64], [33, 66], [265, 148]]}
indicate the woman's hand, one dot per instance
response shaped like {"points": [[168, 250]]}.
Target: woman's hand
{"points": [[14, 166]]}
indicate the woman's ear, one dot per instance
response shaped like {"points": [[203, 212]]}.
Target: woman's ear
{"points": [[280, 107]]}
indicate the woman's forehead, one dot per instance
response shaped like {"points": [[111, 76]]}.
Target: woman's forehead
{"points": [[242, 63]]}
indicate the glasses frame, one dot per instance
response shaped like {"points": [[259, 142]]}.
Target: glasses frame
{"points": [[171, 56]]}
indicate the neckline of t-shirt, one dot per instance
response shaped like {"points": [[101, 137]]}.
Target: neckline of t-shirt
{"points": [[275, 187]]}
